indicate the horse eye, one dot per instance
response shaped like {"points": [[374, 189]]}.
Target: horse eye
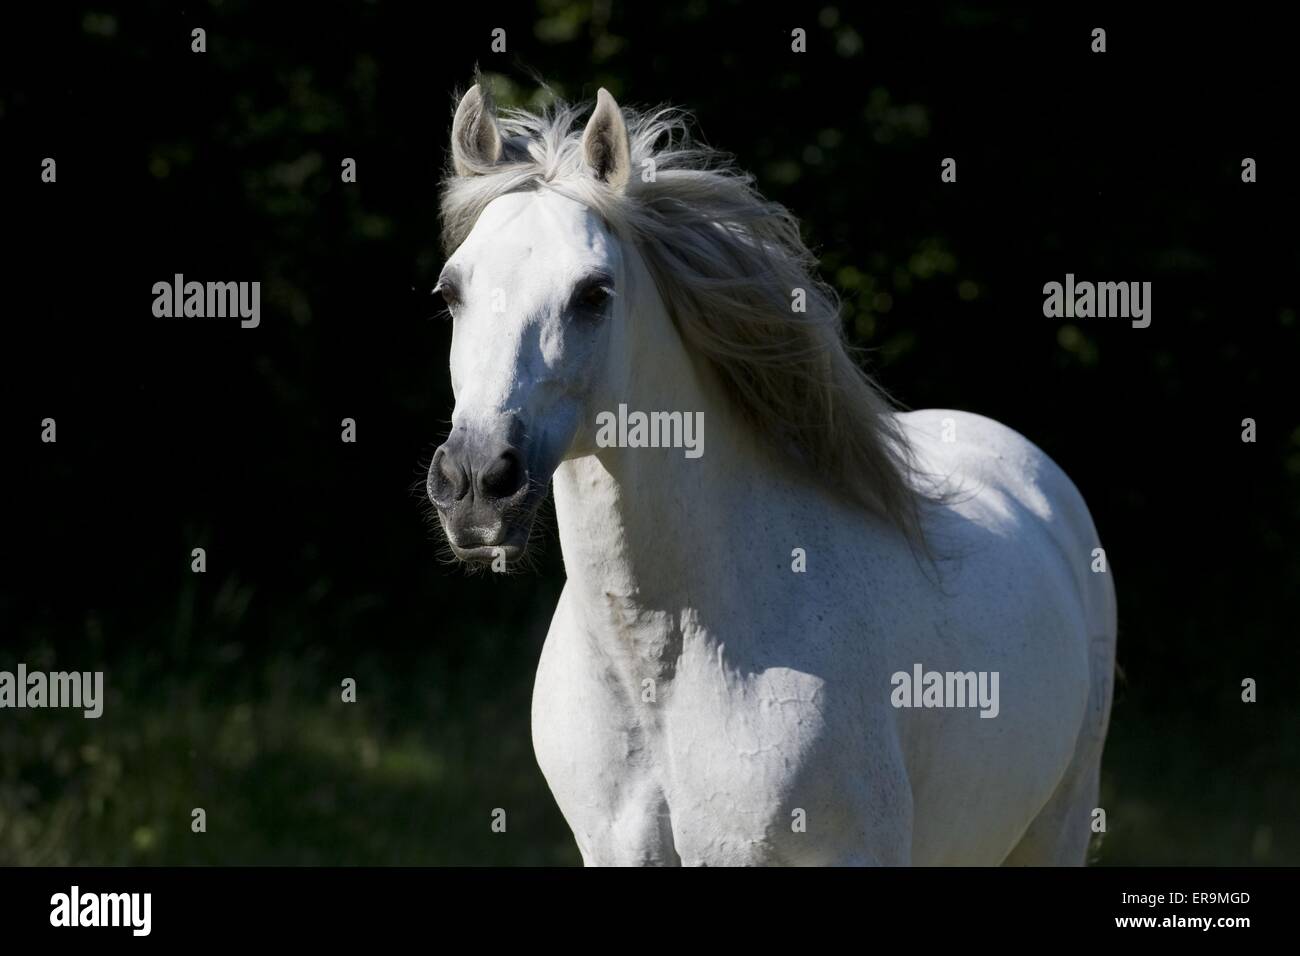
{"points": [[450, 294], [592, 296]]}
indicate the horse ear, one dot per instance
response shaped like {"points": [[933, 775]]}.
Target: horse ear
{"points": [[475, 139], [604, 143]]}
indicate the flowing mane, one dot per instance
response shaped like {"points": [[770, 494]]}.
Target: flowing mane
{"points": [[727, 263]]}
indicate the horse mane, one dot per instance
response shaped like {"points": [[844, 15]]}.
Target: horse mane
{"points": [[728, 264]]}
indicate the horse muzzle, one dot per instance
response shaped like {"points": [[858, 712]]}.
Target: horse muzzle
{"points": [[481, 487]]}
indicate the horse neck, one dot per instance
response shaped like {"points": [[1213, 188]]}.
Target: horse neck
{"points": [[648, 529]]}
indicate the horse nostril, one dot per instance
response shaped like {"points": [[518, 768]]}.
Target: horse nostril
{"points": [[503, 477], [447, 480]]}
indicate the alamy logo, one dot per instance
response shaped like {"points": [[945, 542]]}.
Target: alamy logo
{"points": [[56, 689], [103, 909], [923, 688], [1102, 300], [209, 300], [651, 430]]}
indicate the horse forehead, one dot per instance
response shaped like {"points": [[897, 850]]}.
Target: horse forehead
{"points": [[538, 230]]}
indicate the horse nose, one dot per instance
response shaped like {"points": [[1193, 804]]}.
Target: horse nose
{"points": [[458, 468], [503, 476], [448, 479]]}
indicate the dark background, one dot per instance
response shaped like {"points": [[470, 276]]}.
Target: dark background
{"points": [[322, 560]]}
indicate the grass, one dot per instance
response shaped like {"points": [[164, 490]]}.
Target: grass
{"points": [[291, 776], [411, 773], [1202, 789]]}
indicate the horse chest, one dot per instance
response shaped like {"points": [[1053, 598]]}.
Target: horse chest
{"points": [[703, 764], [746, 761]]}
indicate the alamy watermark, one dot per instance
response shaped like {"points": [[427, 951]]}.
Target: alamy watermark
{"points": [[922, 688], [1101, 300], [209, 300], [34, 689], [75, 908], [651, 430]]}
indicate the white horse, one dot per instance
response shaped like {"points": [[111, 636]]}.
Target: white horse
{"points": [[726, 679]]}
